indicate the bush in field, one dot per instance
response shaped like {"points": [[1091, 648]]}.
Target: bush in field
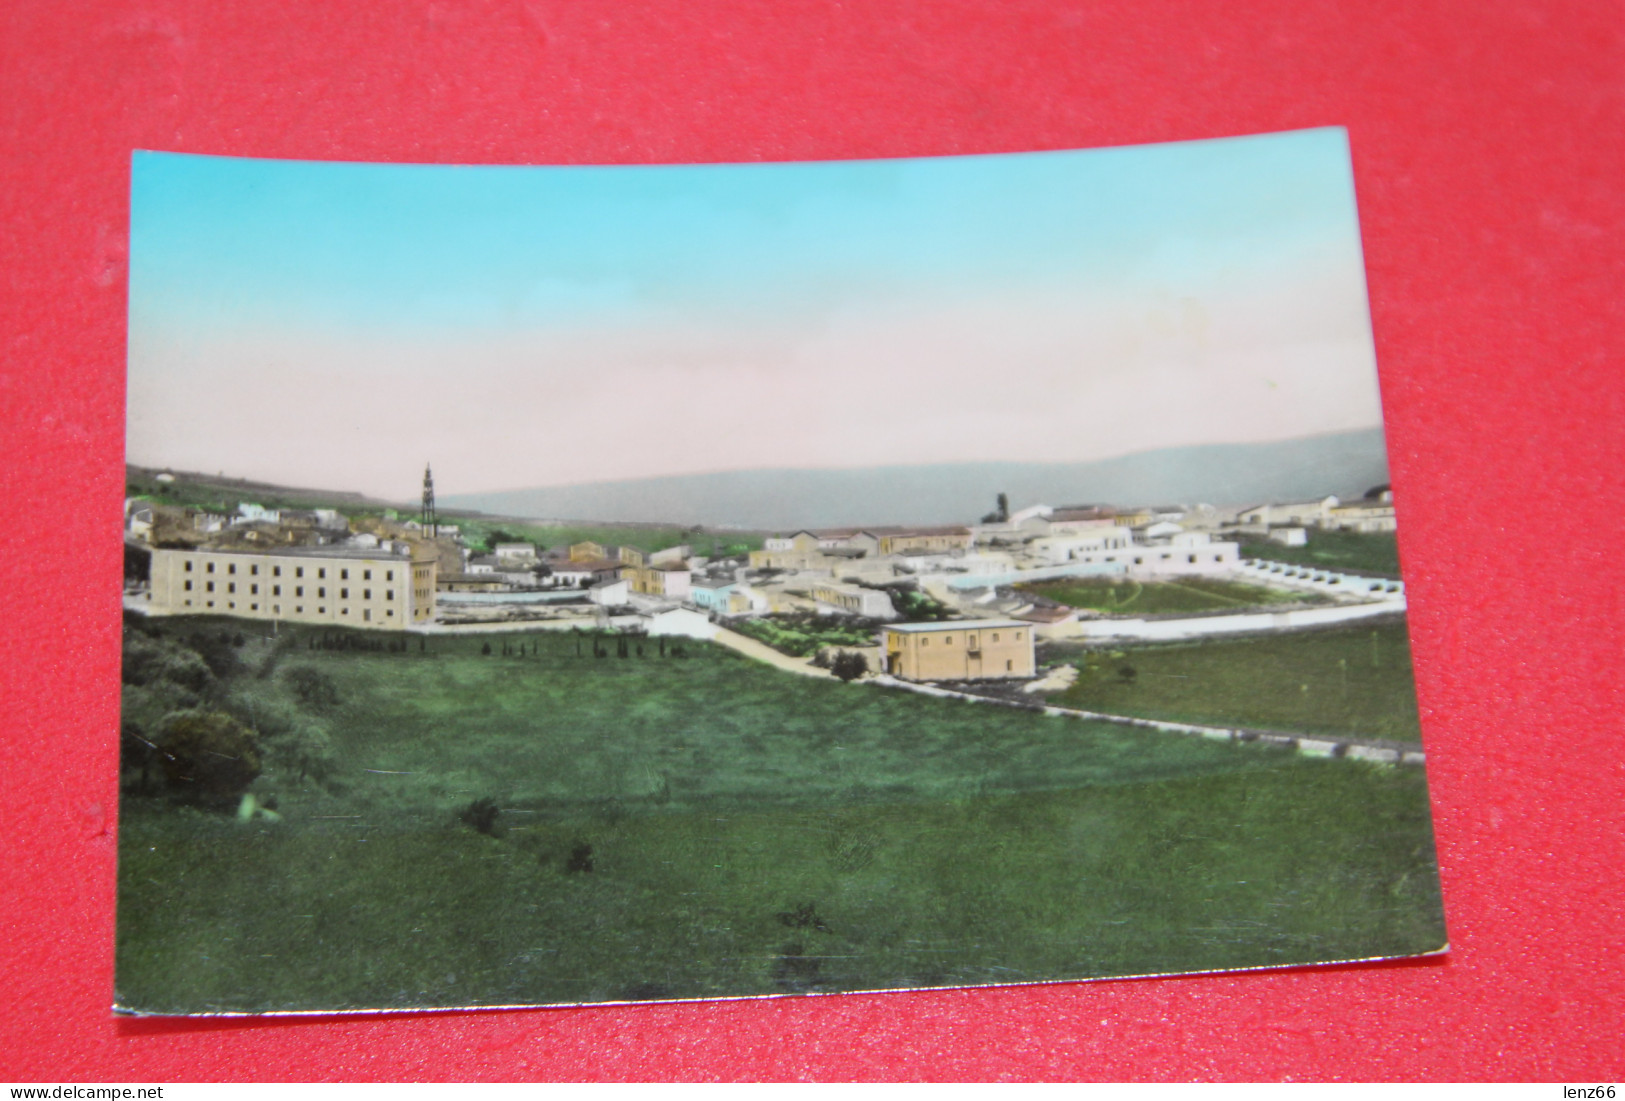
{"points": [[481, 816], [312, 687], [849, 665], [208, 754]]}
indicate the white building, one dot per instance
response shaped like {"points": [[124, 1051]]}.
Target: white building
{"points": [[343, 586], [610, 594], [681, 623], [832, 598]]}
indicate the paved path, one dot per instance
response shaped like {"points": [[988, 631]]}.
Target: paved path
{"points": [[733, 640], [1368, 749]]}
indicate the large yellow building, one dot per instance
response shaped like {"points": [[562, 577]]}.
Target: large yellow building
{"points": [[965, 649], [926, 541], [341, 586]]}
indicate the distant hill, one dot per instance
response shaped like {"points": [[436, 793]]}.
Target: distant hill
{"points": [[1345, 463]]}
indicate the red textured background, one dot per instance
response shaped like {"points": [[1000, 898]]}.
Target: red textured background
{"points": [[1489, 145]]}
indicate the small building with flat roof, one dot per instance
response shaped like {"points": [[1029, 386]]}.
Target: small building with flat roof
{"points": [[964, 649]]}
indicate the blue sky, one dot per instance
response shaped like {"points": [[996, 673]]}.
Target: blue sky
{"points": [[1061, 278]]}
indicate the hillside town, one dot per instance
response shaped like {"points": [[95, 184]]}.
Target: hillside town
{"points": [[968, 590]]}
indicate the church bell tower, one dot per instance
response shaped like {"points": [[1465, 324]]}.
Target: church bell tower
{"points": [[430, 523]]}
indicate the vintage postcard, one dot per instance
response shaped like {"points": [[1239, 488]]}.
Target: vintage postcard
{"points": [[594, 584]]}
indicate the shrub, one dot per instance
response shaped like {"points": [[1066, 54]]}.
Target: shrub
{"points": [[849, 665], [481, 816], [313, 687], [208, 754]]}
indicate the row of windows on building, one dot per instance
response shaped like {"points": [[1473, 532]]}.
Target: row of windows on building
{"points": [[970, 640], [276, 609], [298, 571], [1164, 557], [298, 590]]}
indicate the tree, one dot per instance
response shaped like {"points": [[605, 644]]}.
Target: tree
{"points": [[136, 752], [208, 754], [1001, 513]]}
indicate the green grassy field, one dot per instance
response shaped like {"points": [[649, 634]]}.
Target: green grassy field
{"points": [[1189, 594], [749, 832], [1374, 552], [1344, 680]]}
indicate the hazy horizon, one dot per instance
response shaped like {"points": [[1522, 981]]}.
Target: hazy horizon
{"points": [[528, 327]]}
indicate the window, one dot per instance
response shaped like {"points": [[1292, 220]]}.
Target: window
{"points": [[299, 571], [995, 636], [188, 565], [211, 567], [232, 568], [253, 607], [254, 569], [276, 571], [322, 592], [254, 589], [389, 595], [344, 594], [925, 642], [390, 612], [366, 613], [366, 575], [321, 572], [1009, 666], [276, 590], [231, 586], [947, 640], [299, 590], [366, 594], [321, 611], [276, 609], [344, 575], [344, 611], [389, 575], [188, 584], [211, 589], [298, 609], [1018, 636]]}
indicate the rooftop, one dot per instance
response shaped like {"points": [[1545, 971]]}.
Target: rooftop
{"points": [[954, 625], [374, 553]]}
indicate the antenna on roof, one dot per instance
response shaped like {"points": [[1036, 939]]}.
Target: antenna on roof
{"points": [[430, 523]]}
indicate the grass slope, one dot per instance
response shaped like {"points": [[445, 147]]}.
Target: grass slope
{"points": [[1361, 552], [1129, 597], [1342, 680], [750, 832]]}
